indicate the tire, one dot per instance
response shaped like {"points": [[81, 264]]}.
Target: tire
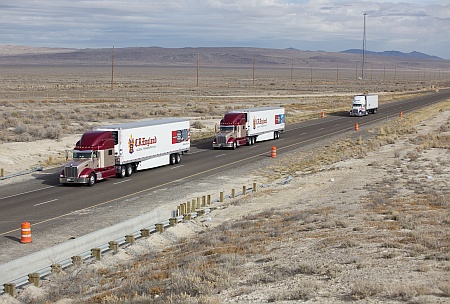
{"points": [[177, 158], [276, 135], [253, 140], [172, 159], [123, 172], [234, 145], [91, 181], [129, 169]]}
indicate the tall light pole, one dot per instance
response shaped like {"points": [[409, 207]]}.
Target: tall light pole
{"points": [[364, 48]]}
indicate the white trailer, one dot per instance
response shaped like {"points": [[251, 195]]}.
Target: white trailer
{"points": [[148, 144], [362, 105], [248, 126]]}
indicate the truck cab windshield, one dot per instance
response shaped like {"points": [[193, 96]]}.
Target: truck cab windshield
{"points": [[82, 154], [227, 128], [358, 105]]}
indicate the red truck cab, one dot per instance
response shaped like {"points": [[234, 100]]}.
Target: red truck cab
{"points": [[93, 159]]}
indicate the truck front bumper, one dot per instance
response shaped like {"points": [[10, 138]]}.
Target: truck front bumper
{"points": [[223, 145], [74, 180]]}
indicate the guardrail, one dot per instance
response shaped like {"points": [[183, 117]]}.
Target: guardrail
{"points": [[19, 173], [16, 274]]}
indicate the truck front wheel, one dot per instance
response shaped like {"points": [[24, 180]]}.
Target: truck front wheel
{"points": [[91, 181], [234, 145]]}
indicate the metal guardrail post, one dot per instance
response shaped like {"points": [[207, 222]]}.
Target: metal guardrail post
{"points": [[34, 278], [77, 260], [160, 228], [97, 253], [10, 288], [129, 239], [56, 268], [145, 232], [173, 221], [114, 246]]}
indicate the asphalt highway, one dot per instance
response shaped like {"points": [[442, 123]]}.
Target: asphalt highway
{"points": [[43, 200]]}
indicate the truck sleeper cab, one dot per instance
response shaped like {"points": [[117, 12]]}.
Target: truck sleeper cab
{"points": [[247, 126], [121, 150]]}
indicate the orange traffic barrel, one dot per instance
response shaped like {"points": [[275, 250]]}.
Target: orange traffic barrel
{"points": [[274, 152], [26, 233], [322, 115], [356, 127], [401, 114]]}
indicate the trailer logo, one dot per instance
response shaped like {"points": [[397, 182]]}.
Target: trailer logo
{"points": [[279, 119], [259, 121], [131, 144], [140, 142], [179, 136]]}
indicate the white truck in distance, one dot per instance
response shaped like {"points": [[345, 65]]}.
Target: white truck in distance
{"points": [[120, 150], [362, 105], [247, 126]]}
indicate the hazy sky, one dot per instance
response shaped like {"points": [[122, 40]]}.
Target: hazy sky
{"points": [[328, 25]]}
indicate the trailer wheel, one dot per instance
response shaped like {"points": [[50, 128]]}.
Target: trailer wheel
{"points": [[177, 158], [276, 135], [91, 181], [123, 172], [172, 159], [129, 169]]}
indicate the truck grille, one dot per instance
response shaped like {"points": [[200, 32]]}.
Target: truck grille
{"points": [[71, 172], [221, 139], [355, 111]]}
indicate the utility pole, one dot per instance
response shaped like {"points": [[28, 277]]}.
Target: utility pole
{"points": [[364, 48], [112, 69], [197, 66]]}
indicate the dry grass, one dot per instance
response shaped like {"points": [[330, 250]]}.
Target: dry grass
{"points": [[382, 234], [221, 258]]}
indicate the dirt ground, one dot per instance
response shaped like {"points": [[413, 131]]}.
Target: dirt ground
{"points": [[353, 252], [369, 229]]}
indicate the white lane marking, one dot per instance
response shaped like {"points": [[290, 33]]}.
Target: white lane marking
{"points": [[25, 192], [197, 151], [176, 167], [123, 181], [220, 155], [45, 202]]}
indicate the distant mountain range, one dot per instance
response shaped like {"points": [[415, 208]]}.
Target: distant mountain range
{"points": [[393, 53], [213, 57]]}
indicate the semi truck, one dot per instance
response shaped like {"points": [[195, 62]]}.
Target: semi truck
{"points": [[364, 104], [248, 126], [122, 149]]}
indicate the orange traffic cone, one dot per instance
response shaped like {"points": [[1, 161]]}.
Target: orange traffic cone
{"points": [[26, 233]]}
